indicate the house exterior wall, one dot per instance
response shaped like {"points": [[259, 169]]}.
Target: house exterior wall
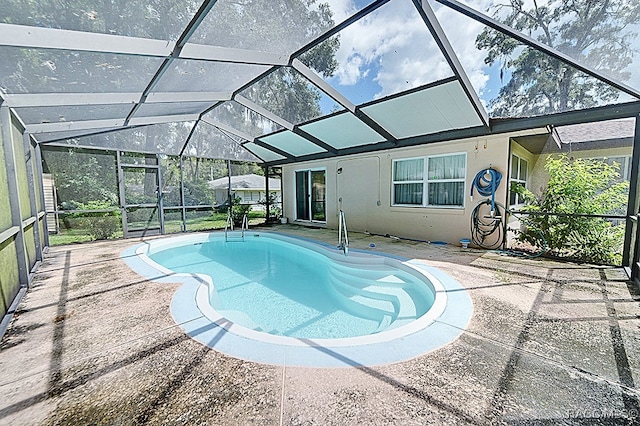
{"points": [[534, 180], [221, 195], [363, 190], [247, 196], [539, 176]]}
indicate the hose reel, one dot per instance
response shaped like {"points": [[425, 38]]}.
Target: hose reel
{"points": [[487, 230]]}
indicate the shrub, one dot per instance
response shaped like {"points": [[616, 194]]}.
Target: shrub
{"points": [[100, 225], [587, 187], [275, 209], [238, 211]]}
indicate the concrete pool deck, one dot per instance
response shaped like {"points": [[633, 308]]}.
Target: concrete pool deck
{"points": [[549, 342]]}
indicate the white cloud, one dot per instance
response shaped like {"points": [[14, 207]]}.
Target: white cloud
{"points": [[341, 9], [394, 47], [393, 41], [350, 72], [462, 32]]}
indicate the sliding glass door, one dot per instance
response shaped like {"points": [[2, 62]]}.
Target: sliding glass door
{"points": [[302, 195], [311, 201], [318, 196]]}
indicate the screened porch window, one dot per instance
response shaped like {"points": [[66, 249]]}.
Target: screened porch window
{"points": [[437, 181]]}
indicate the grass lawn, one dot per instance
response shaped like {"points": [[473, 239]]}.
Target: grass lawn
{"points": [[204, 223]]}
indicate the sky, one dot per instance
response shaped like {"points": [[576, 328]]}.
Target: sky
{"points": [[391, 50]]}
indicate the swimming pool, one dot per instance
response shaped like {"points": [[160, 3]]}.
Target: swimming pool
{"points": [[270, 284], [283, 300]]}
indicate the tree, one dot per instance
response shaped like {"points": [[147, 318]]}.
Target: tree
{"points": [[82, 176], [45, 71], [284, 92], [280, 27], [585, 187], [262, 26], [594, 32]]}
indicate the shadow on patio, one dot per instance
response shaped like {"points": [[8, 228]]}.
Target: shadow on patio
{"points": [[548, 343]]}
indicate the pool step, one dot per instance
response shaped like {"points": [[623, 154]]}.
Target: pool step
{"points": [[386, 306], [362, 307], [419, 291], [350, 286], [387, 294], [359, 278], [404, 303], [372, 271], [386, 323]]}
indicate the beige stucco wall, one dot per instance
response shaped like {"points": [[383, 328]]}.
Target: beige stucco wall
{"points": [[539, 176], [535, 181], [363, 189]]}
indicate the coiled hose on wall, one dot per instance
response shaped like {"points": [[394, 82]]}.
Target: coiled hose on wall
{"points": [[487, 231], [484, 186]]}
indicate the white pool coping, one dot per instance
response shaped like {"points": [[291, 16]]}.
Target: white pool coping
{"points": [[190, 308]]}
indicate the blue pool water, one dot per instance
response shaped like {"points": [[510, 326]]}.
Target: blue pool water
{"points": [[273, 286]]}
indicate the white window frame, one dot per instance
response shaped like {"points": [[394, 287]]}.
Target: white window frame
{"points": [[425, 181], [310, 188], [400, 182], [524, 182]]}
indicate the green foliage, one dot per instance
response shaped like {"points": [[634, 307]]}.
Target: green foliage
{"points": [[595, 33], [69, 236], [100, 225], [275, 207], [269, 26], [196, 193], [284, 92], [238, 211], [587, 187], [245, 168], [288, 95], [81, 176], [40, 69]]}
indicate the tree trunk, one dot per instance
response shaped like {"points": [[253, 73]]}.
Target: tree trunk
{"points": [[564, 87]]}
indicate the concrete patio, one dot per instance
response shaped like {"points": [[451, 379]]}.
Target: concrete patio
{"points": [[548, 343]]}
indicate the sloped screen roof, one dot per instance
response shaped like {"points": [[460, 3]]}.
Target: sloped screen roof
{"points": [[279, 81]]}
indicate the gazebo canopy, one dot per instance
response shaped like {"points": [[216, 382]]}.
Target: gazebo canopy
{"points": [[277, 81]]}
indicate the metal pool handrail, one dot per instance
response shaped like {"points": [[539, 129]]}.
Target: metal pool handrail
{"points": [[245, 224], [229, 226], [343, 243]]}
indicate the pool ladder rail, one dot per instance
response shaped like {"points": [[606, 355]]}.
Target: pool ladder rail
{"points": [[343, 237], [229, 227]]}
